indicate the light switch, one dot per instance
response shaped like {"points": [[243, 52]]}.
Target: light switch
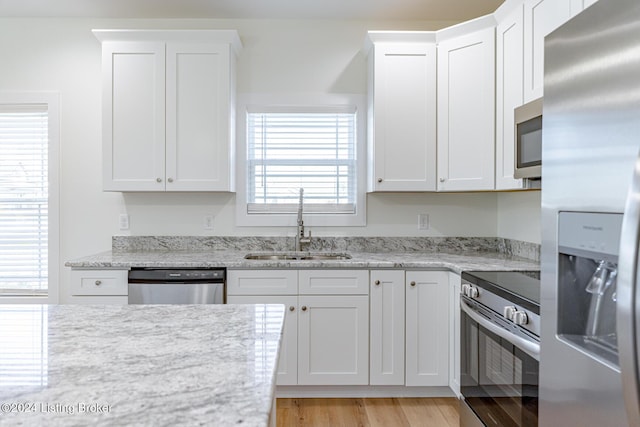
{"points": [[208, 222]]}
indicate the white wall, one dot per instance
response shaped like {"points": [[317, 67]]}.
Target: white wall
{"points": [[279, 56], [519, 216]]}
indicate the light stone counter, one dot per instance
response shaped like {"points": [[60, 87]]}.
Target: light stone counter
{"points": [[234, 259], [145, 365], [452, 253]]}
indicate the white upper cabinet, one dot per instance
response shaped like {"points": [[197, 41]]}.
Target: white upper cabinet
{"points": [[401, 111], [509, 90], [540, 18], [168, 109], [466, 106]]}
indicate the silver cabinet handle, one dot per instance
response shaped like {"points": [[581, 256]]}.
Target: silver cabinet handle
{"points": [[377, 282], [98, 282], [170, 180], [158, 179], [412, 283], [291, 308], [628, 277], [379, 179], [441, 179], [304, 308]]}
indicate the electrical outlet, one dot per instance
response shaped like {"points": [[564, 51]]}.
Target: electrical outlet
{"points": [[423, 221], [124, 222], [208, 222]]}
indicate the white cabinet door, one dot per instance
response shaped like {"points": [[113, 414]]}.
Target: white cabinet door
{"points": [[168, 109], [198, 117], [333, 340], [509, 94], [262, 282], [402, 116], [133, 128], [454, 332], [427, 328], [466, 112], [333, 282], [288, 357], [387, 318], [540, 18], [99, 282]]}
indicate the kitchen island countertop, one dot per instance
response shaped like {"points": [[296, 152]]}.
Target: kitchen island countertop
{"points": [[67, 365]]}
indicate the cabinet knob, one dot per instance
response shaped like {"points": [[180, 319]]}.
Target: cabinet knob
{"points": [[441, 179], [170, 180], [98, 282], [377, 282], [412, 283], [379, 179], [304, 308], [158, 179], [291, 308]]}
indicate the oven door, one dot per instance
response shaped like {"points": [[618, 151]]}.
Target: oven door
{"points": [[498, 380]]}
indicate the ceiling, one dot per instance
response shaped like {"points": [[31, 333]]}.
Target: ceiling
{"points": [[383, 10]]}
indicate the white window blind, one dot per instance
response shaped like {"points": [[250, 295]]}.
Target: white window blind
{"points": [[312, 149], [24, 356], [24, 147]]}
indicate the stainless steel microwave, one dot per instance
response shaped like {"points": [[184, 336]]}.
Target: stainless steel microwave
{"points": [[528, 140]]}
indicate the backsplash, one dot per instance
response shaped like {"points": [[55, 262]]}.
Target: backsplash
{"points": [[508, 247]]}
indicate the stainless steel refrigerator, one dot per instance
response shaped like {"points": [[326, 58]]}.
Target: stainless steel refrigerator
{"points": [[590, 219]]}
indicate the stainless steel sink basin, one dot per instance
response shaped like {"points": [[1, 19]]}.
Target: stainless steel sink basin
{"points": [[299, 256]]}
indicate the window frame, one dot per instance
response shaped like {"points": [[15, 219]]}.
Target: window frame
{"points": [[315, 102], [52, 101]]}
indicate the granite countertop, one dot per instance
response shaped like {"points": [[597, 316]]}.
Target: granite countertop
{"points": [[234, 259], [156, 365]]}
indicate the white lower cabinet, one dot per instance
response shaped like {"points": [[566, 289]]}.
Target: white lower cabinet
{"points": [[99, 282], [455, 286], [409, 328], [394, 332], [326, 340], [427, 328], [333, 343], [386, 300]]}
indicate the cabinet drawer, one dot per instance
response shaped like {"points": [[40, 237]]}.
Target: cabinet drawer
{"points": [[262, 282], [99, 282], [334, 282]]}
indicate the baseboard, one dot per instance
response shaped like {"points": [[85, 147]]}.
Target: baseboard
{"points": [[361, 391]]}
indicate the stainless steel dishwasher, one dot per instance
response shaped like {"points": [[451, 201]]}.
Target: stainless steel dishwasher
{"points": [[177, 286]]}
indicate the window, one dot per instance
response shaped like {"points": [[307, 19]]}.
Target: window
{"points": [[26, 227], [316, 148]]}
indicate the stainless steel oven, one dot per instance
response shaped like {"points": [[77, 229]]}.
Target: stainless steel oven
{"points": [[500, 347]]}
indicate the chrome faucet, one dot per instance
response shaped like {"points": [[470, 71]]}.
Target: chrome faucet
{"points": [[300, 237]]}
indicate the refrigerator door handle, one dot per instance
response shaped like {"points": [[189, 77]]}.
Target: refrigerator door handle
{"points": [[627, 297]]}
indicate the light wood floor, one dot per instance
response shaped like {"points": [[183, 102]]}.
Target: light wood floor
{"points": [[423, 412]]}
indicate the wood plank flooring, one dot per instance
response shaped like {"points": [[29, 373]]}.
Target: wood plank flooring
{"points": [[369, 412]]}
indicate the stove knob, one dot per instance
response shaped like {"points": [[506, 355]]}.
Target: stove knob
{"points": [[465, 289], [520, 318], [509, 311], [473, 292]]}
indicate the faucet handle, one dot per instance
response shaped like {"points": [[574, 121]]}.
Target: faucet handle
{"points": [[307, 238]]}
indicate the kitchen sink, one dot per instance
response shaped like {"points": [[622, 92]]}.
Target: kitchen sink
{"points": [[297, 256]]}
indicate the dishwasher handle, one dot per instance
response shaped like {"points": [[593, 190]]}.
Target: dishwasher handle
{"points": [[170, 275]]}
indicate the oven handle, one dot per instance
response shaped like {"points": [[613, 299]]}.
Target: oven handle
{"points": [[529, 347]]}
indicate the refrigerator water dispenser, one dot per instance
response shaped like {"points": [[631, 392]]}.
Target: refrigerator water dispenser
{"points": [[588, 245]]}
